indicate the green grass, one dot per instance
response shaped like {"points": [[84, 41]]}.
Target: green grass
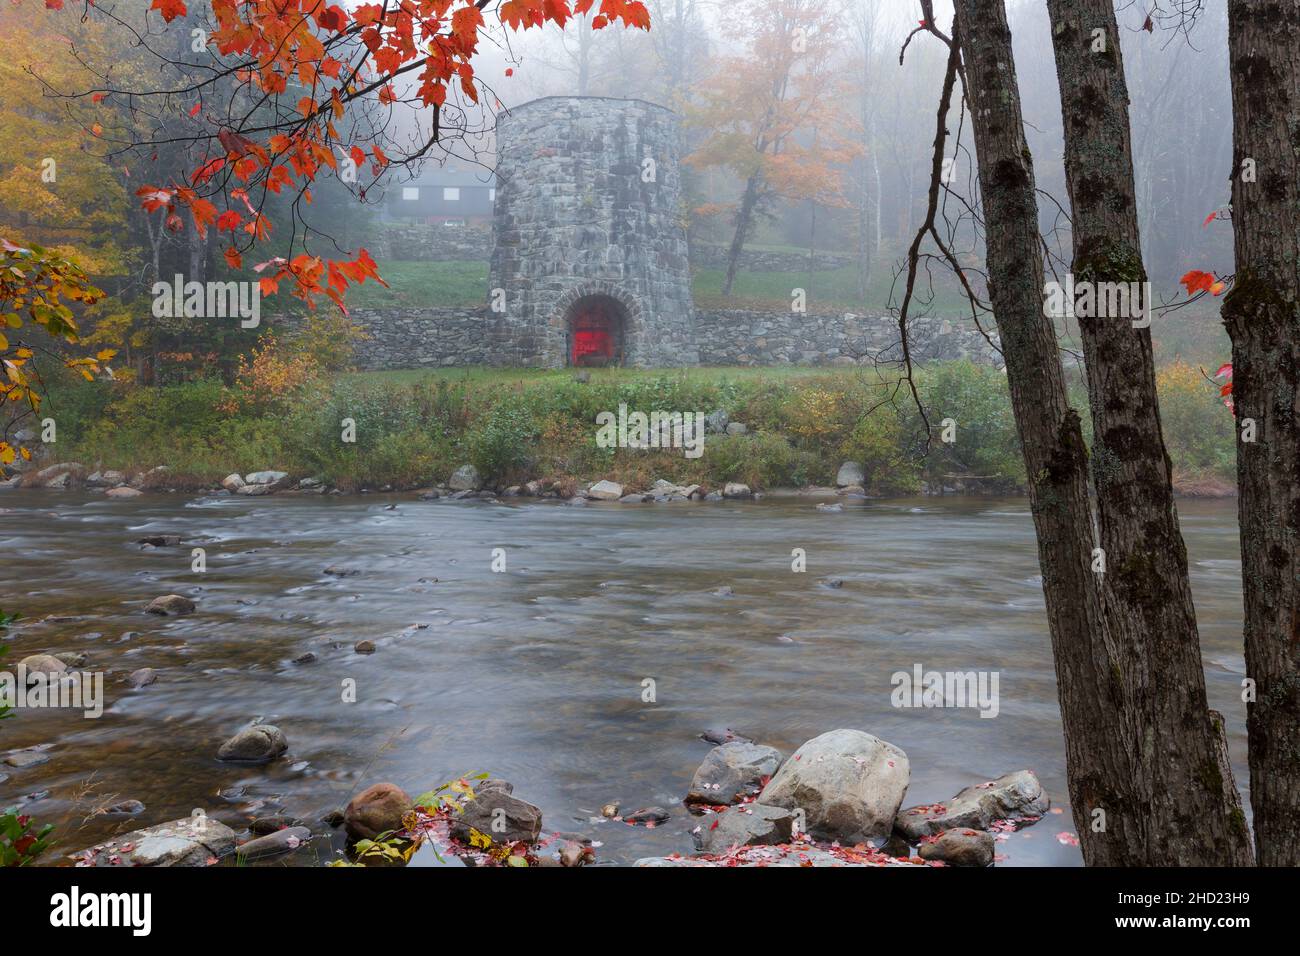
{"points": [[418, 285]]}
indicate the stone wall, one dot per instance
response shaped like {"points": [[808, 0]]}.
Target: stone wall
{"points": [[588, 210], [742, 337], [436, 338], [421, 242], [705, 255]]}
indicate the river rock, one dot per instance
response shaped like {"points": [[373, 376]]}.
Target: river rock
{"points": [[848, 783], [377, 809], [962, 847], [605, 491], [143, 677], [733, 771], [734, 489], [123, 492], [737, 428], [647, 816], [274, 844], [364, 647], [272, 824], [498, 815], [192, 841], [153, 478], [274, 480], [55, 476], [256, 744], [232, 482], [254, 491], [465, 478], [73, 658], [42, 664], [1013, 796], [837, 507], [850, 473], [635, 499], [124, 808], [160, 540], [170, 604], [22, 759], [753, 825]]}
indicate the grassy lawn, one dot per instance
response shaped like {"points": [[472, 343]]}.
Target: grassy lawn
{"points": [[416, 285]]}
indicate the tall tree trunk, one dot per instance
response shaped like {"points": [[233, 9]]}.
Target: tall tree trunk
{"points": [[1181, 809], [744, 216], [1097, 759], [1262, 313]]}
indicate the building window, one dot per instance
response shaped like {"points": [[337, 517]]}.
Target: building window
{"points": [[451, 193], [410, 193]]}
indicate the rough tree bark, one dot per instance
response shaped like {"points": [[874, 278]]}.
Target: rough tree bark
{"points": [[1183, 808], [1262, 314], [1050, 435]]}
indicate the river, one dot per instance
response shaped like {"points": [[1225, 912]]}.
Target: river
{"points": [[536, 673]]}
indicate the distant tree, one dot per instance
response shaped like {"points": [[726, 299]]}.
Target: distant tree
{"points": [[770, 114]]}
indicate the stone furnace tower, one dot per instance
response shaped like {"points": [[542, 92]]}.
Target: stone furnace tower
{"points": [[589, 263]]}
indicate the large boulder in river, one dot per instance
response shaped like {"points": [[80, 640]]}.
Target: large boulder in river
{"points": [[848, 784], [735, 489], [1015, 796], [377, 809], [498, 815], [465, 478], [192, 841], [256, 744], [233, 482], [733, 771]]}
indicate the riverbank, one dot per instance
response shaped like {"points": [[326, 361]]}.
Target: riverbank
{"points": [[764, 428]]}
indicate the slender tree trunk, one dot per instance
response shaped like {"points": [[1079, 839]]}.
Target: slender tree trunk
{"points": [[1050, 435], [744, 216], [1182, 809], [1262, 313]]}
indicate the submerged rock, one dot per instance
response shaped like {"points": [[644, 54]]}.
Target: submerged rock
{"points": [[377, 809], [170, 604], [964, 847], [274, 844], [143, 677], [733, 771], [192, 841], [848, 783], [160, 540], [1018, 797], [123, 492], [256, 744], [648, 816]]}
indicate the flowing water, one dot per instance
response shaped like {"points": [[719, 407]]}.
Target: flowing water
{"points": [[537, 673]]}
